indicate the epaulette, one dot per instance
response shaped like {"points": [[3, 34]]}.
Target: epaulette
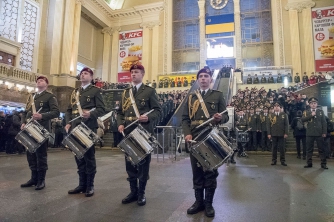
{"points": [[148, 86], [214, 90]]}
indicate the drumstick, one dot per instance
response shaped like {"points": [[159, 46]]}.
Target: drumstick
{"points": [[81, 116], [145, 114], [209, 120], [31, 119]]}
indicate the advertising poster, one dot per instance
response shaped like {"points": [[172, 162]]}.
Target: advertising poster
{"points": [[130, 52], [323, 38]]}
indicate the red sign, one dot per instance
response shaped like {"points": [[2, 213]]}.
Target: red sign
{"points": [[323, 32], [124, 77]]}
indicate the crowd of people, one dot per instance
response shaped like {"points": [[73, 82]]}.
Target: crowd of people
{"points": [[253, 108]]}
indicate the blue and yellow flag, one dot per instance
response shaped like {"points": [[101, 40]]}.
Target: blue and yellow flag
{"points": [[219, 24]]}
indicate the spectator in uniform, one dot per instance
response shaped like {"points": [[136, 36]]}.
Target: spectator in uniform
{"points": [[300, 134], [297, 78]]}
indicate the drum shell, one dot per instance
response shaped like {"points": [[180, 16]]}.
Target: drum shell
{"points": [[79, 146], [28, 140], [136, 145], [243, 137], [212, 150]]}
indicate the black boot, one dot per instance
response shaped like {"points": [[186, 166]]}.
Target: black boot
{"points": [[133, 195], [141, 193], [32, 181], [41, 180], [209, 193], [232, 158], [90, 185], [82, 185], [199, 203]]}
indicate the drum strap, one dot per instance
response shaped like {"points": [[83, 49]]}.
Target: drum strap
{"points": [[133, 102], [205, 110], [33, 107], [78, 102]]}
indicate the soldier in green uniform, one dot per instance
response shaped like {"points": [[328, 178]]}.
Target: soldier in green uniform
{"points": [[297, 78], [249, 79], [305, 78], [193, 115], [256, 79], [172, 83], [161, 83], [89, 97], [146, 99], [185, 82], [179, 83], [316, 130], [263, 79], [263, 129], [192, 82], [47, 101], [154, 84], [277, 127], [166, 83], [271, 79], [279, 78], [253, 127]]}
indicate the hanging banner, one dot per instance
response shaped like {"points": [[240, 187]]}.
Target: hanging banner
{"points": [[323, 32], [129, 53]]}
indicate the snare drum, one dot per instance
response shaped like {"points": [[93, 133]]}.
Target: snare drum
{"points": [[212, 150], [136, 145], [243, 137], [32, 136], [80, 140]]}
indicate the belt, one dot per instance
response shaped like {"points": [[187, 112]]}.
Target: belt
{"points": [[75, 112], [131, 118], [197, 122]]}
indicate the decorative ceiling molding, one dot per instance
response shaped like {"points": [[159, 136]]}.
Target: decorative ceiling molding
{"points": [[138, 14], [82, 2], [111, 30], [150, 25], [90, 20], [299, 6]]}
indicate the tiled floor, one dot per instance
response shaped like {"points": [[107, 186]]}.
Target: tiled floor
{"points": [[251, 190]]}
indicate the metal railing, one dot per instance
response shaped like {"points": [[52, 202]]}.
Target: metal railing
{"points": [[170, 138]]}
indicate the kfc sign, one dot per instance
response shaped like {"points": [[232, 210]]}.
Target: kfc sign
{"points": [[322, 13], [130, 35]]}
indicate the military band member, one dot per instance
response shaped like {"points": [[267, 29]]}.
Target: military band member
{"points": [[305, 78], [89, 97], [146, 99], [316, 130], [249, 79], [154, 84], [185, 82], [263, 79], [256, 79], [47, 101], [279, 78], [263, 129], [172, 83], [253, 127], [179, 83], [242, 124], [289, 77], [297, 78], [277, 127], [166, 83], [192, 82], [161, 83], [271, 79], [193, 115]]}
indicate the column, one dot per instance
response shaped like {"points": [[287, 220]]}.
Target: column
{"points": [[168, 37], [155, 52], [294, 7], [107, 33], [114, 54], [237, 31], [295, 41], [277, 25], [147, 48], [308, 40], [201, 6], [66, 54], [75, 40]]}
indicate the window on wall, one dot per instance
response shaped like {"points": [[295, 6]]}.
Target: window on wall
{"points": [[185, 35], [256, 33]]}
